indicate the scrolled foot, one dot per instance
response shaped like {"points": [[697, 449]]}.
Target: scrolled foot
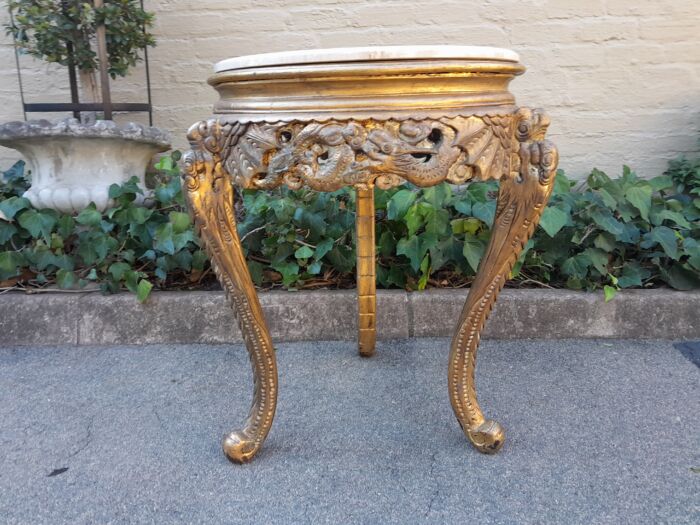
{"points": [[523, 194], [239, 448], [210, 198], [487, 437]]}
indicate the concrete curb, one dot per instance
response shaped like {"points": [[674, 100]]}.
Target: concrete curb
{"points": [[203, 317]]}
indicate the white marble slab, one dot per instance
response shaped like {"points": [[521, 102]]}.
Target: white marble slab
{"points": [[363, 54]]}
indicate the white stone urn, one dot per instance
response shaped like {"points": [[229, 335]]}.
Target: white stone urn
{"points": [[73, 164]]}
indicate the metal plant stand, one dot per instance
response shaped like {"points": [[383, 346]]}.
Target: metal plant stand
{"points": [[363, 117]]}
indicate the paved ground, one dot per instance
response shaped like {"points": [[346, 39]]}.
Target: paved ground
{"points": [[598, 432]]}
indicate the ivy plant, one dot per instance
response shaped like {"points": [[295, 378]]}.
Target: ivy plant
{"points": [[602, 234], [127, 246]]}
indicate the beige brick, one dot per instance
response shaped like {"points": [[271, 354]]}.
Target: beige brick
{"points": [[568, 9], [647, 8], [605, 29], [619, 78], [669, 29]]}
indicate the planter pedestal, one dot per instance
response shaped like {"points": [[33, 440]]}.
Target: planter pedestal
{"points": [[366, 117], [73, 164]]}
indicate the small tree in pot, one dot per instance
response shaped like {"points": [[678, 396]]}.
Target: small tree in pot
{"points": [[74, 163]]}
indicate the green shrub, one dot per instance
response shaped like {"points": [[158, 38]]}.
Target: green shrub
{"points": [[607, 234], [127, 246], [51, 30]]}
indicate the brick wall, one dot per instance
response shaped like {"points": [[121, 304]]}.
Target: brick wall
{"points": [[620, 78]]}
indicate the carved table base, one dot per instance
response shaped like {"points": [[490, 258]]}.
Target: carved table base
{"points": [[509, 147]]}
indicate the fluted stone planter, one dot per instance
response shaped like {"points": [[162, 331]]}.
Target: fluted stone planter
{"points": [[73, 164]]}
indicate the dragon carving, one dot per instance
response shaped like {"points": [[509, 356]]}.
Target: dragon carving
{"points": [[330, 155]]}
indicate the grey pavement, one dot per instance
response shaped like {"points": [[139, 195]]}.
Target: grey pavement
{"points": [[598, 431]]}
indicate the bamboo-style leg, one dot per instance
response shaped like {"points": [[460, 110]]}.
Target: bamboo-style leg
{"points": [[366, 272], [210, 198], [521, 200]]}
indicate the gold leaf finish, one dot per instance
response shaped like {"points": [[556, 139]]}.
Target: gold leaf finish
{"points": [[377, 124], [366, 268], [210, 198], [521, 199], [327, 156]]}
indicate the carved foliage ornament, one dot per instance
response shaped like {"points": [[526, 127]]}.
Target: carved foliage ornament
{"points": [[326, 156]]}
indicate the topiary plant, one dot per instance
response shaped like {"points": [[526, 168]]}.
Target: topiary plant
{"points": [[63, 32]]}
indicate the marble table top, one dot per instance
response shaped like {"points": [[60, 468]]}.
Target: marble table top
{"points": [[366, 54]]}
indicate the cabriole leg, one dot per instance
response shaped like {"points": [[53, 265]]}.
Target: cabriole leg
{"points": [[210, 198], [366, 272], [521, 200]]}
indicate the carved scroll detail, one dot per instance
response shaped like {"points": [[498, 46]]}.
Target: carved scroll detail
{"points": [[522, 197], [327, 156], [210, 199]]}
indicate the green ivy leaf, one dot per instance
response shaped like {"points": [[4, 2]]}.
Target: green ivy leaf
{"points": [[199, 260], [662, 182], [553, 219], [166, 193], [681, 277], [322, 248], [289, 271], [165, 163], [89, 217], [478, 192], [7, 230], [604, 218], [604, 241], [164, 240], [576, 266], [437, 222], [387, 244], [139, 214], [673, 216], [425, 272], [399, 203], [411, 248], [314, 268], [468, 225], [640, 197], [609, 292], [10, 264], [664, 236], [598, 258], [38, 223], [10, 207], [118, 269], [66, 224], [303, 253], [342, 258], [256, 272], [143, 290], [438, 196], [15, 173], [561, 183], [484, 211], [463, 205], [180, 221], [66, 279], [473, 250], [413, 219], [632, 275]]}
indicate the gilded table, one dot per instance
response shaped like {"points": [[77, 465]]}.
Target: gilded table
{"points": [[366, 117]]}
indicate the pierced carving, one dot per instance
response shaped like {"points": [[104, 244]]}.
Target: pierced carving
{"points": [[210, 198], [327, 156]]}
